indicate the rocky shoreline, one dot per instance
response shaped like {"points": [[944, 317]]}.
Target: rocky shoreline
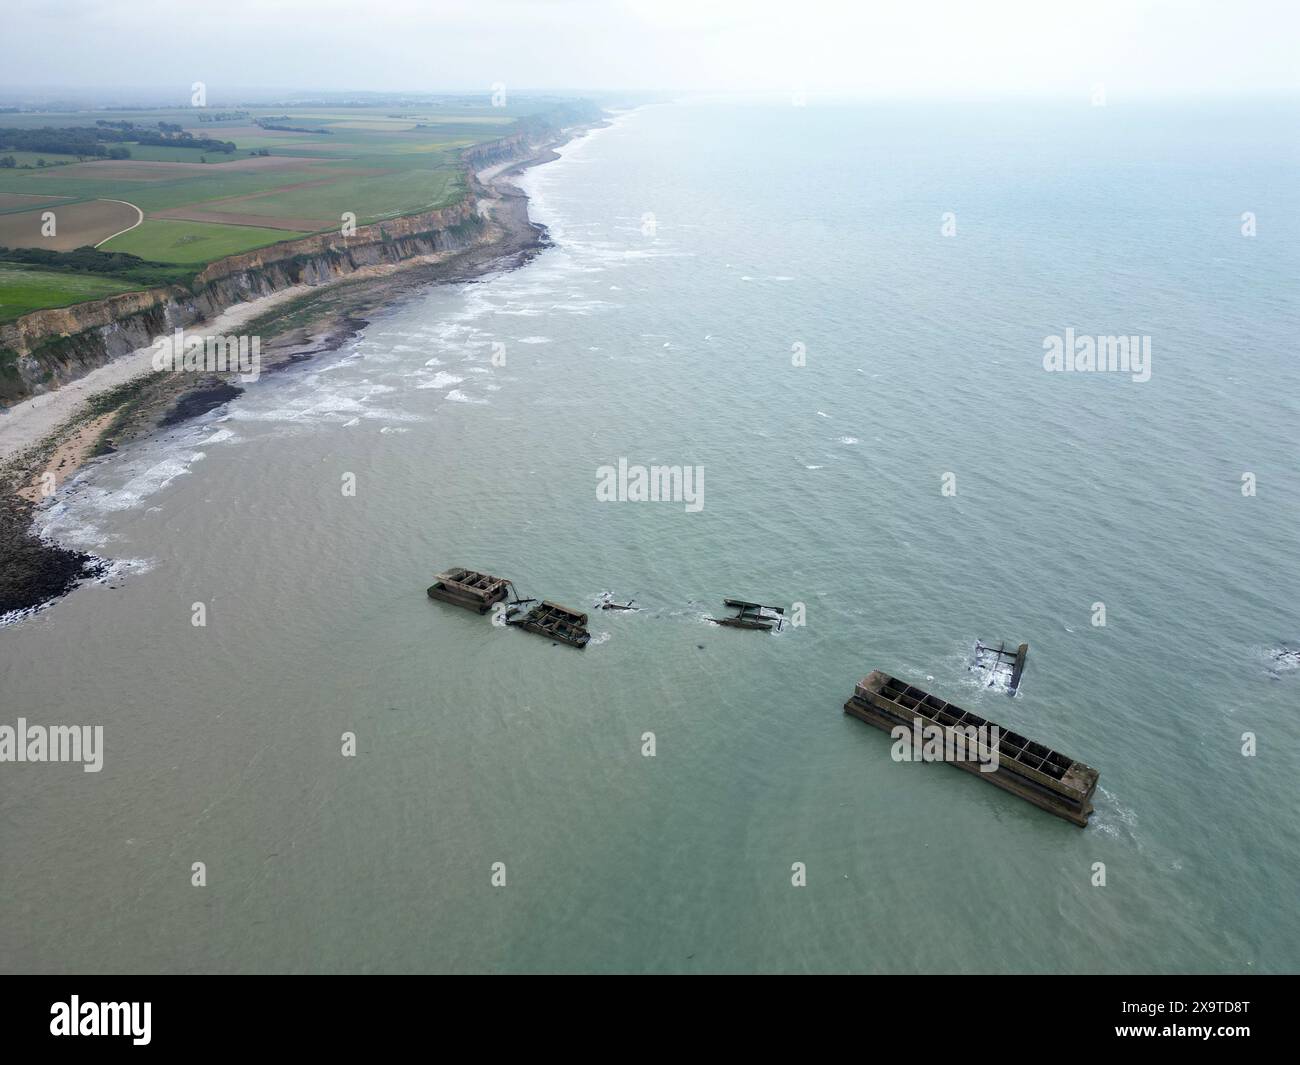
{"points": [[318, 319]]}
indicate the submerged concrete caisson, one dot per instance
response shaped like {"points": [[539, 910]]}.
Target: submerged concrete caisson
{"points": [[470, 589], [752, 616], [554, 621], [482, 592], [1051, 780]]}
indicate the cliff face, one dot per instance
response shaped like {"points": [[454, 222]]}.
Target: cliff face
{"points": [[498, 151], [45, 349], [48, 348]]}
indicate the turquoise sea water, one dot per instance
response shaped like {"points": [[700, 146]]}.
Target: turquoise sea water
{"points": [[696, 245]]}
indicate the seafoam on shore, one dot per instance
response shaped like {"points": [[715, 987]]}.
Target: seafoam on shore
{"points": [[41, 568]]}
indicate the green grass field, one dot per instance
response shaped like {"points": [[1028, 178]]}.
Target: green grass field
{"points": [[10, 205], [162, 241], [377, 162], [396, 161], [369, 197], [30, 158], [24, 289], [161, 153]]}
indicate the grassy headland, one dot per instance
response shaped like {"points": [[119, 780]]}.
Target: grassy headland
{"points": [[214, 182]]}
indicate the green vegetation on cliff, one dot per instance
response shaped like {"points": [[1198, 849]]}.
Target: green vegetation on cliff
{"points": [[29, 288], [32, 279]]}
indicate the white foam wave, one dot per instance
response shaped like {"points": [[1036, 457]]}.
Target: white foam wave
{"points": [[442, 379]]}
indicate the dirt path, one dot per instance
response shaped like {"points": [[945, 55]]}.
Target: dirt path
{"points": [[128, 228]]}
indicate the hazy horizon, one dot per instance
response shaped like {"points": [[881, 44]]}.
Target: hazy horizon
{"points": [[924, 50]]}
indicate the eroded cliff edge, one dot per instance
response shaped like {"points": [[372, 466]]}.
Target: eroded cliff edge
{"points": [[341, 279], [48, 348]]}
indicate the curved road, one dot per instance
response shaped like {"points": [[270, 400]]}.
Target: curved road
{"points": [[128, 228]]}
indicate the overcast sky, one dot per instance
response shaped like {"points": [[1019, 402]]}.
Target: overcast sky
{"points": [[947, 48]]}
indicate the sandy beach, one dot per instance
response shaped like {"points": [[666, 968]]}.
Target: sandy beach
{"points": [[44, 440], [26, 424]]}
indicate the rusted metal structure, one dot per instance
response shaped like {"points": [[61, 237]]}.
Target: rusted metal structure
{"points": [[752, 616], [470, 589], [999, 664], [557, 622], [1051, 780]]}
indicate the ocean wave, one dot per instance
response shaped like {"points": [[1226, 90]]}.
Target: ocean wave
{"points": [[1281, 659], [318, 408], [148, 476], [1112, 818], [221, 436], [441, 379], [122, 482]]}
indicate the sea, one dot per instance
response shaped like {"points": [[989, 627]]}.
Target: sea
{"points": [[837, 318]]}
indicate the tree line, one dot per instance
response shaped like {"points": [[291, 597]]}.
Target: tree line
{"points": [[103, 140]]}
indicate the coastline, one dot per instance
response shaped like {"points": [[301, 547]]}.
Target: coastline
{"points": [[47, 439]]}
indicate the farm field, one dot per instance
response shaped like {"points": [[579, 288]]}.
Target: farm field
{"points": [[370, 195], [11, 202], [161, 153], [32, 158], [76, 224], [375, 162], [24, 289], [166, 241]]}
